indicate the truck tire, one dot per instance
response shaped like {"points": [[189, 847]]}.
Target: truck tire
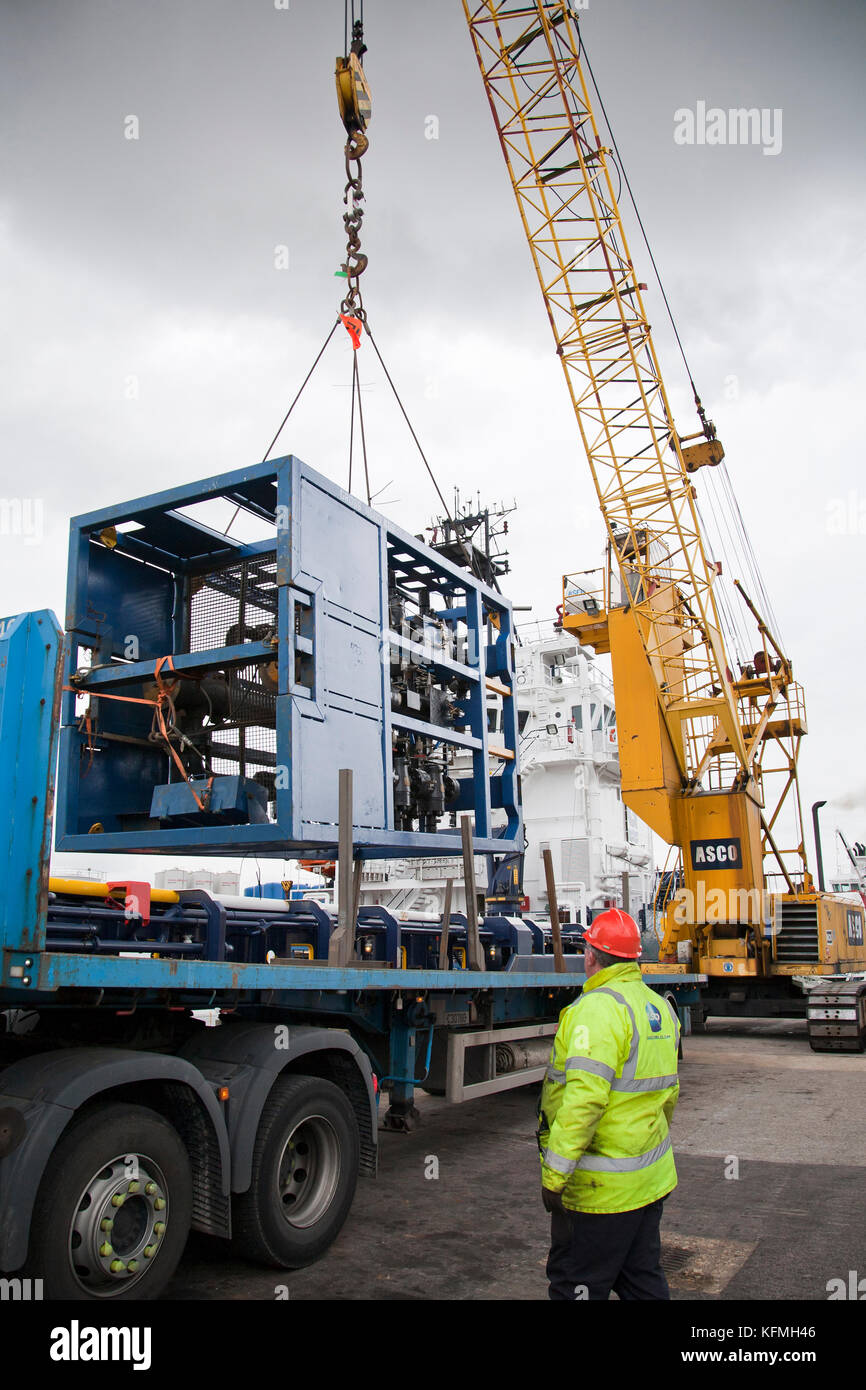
{"points": [[304, 1174], [675, 1009], [118, 1164]]}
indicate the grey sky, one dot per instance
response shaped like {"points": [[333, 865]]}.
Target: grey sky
{"points": [[154, 259]]}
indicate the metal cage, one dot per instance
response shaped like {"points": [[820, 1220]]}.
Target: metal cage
{"points": [[215, 688]]}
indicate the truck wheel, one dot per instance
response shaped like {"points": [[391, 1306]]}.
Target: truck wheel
{"points": [[113, 1210], [674, 1007], [305, 1169]]}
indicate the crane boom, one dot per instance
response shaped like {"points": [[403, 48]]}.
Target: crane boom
{"points": [[700, 731], [698, 744], [530, 61]]}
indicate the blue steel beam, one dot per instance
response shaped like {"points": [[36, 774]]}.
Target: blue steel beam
{"points": [[437, 731], [51, 971], [221, 658], [218, 485], [30, 656], [441, 664], [315, 989]]}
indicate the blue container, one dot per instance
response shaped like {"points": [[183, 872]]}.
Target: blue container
{"points": [[334, 641]]}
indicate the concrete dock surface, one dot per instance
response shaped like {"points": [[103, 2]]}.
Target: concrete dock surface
{"points": [[770, 1144]]}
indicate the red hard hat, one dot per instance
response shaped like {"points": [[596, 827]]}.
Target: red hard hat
{"points": [[616, 933]]}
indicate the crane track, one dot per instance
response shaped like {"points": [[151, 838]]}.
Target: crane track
{"points": [[837, 1016]]}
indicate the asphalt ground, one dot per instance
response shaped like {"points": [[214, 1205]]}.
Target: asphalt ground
{"points": [[770, 1144]]}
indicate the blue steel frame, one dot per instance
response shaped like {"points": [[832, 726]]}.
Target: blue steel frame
{"points": [[30, 656], [333, 555]]}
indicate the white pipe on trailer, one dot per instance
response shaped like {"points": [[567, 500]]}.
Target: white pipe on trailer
{"points": [[242, 904]]}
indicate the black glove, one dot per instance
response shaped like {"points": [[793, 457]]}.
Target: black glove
{"points": [[552, 1200]]}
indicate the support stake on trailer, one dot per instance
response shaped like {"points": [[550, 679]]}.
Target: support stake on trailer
{"points": [[343, 939], [474, 958], [552, 904], [446, 923], [356, 892]]}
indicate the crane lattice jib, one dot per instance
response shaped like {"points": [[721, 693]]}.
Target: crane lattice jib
{"points": [[530, 61]]}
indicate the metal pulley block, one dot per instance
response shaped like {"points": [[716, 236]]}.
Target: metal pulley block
{"points": [[353, 97]]}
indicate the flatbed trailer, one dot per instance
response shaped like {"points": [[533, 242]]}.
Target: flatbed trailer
{"points": [[124, 1121]]}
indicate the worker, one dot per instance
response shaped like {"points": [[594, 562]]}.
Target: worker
{"points": [[606, 1158]]}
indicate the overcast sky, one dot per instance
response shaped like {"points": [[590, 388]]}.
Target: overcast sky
{"points": [[148, 266]]}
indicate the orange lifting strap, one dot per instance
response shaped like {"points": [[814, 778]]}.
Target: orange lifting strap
{"points": [[163, 698]]}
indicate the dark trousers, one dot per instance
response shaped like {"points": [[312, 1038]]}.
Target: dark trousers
{"points": [[594, 1252]]}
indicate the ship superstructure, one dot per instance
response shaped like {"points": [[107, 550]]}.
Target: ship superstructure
{"points": [[569, 758]]}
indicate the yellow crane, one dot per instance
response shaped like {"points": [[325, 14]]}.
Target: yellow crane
{"points": [[708, 754]]}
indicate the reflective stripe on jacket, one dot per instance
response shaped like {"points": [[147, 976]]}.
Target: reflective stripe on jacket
{"points": [[609, 1094]]}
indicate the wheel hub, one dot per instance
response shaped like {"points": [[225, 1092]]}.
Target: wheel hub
{"points": [[119, 1224], [309, 1171]]}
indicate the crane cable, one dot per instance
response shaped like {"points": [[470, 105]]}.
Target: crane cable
{"points": [[352, 308], [748, 557], [624, 175], [346, 17], [356, 395], [736, 632], [352, 313], [267, 453]]}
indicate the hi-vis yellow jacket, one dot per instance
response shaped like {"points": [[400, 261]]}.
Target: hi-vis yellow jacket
{"points": [[609, 1094]]}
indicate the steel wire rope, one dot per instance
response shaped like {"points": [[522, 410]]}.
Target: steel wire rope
{"points": [[742, 548], [726, 515], [352, 417], [725, 612], [749, 555], [569, 69], [719, 519], [357, 384], [238, 508], [575, 111], [637, 214], [752, 557], [409, 424]]}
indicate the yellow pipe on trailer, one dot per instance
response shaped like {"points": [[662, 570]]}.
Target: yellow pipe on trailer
{"points": [[82, 888]]}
